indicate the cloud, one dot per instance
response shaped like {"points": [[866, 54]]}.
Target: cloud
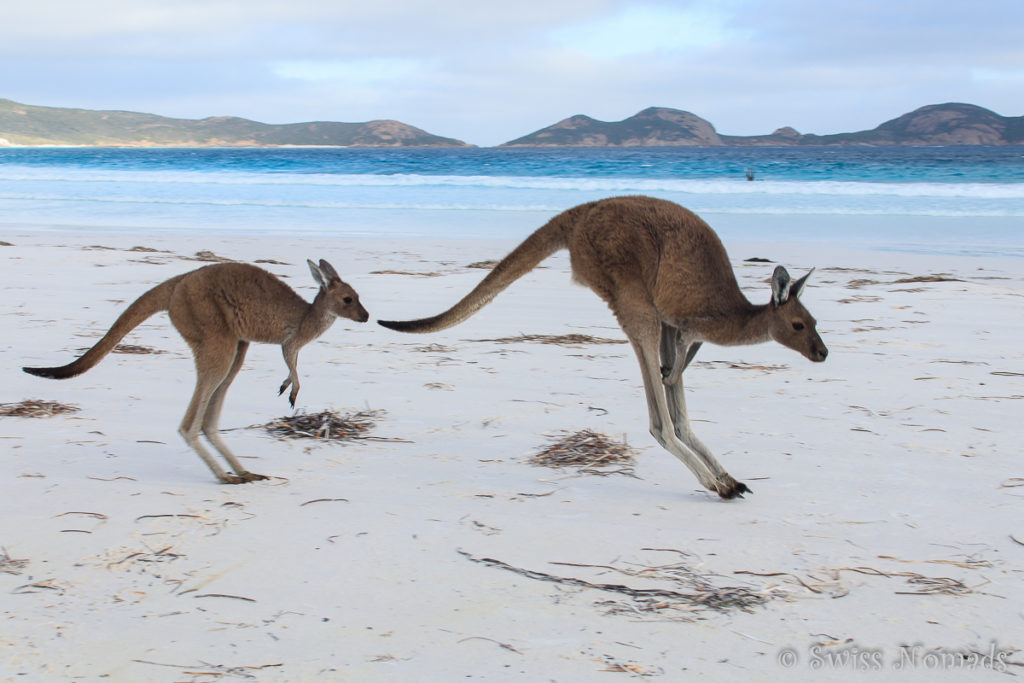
{"points": [[640, 29], [278, 30], [363, 71], [881, 31]]}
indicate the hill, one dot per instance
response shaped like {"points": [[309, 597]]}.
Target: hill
{"points": [[939, 124], [655, 126], [22, 124]]}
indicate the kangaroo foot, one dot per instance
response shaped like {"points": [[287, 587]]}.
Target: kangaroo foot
{"points": [[728, 488], [242, 478]]}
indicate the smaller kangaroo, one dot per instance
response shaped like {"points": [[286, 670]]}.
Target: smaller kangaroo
{"points": [[219, 310], [667, 278]]}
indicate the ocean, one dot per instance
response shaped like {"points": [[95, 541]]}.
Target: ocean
{"points": [[951, 199]]}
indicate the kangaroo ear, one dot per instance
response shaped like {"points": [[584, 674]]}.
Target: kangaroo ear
{"points": [[318, 274], [798, 287], [781, 284], [328, 270]]}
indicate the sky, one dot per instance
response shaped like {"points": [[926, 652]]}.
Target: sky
{"points": [[488, 72]]}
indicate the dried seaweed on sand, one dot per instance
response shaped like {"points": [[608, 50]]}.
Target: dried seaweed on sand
{"points": [[739, 366], [588, 451], [937, 277], [9, 565], [925, 585], [677, 592], [135, 349], [434, 348], [326, 425], [560, 339], [208, 256], [34, 408], [406, 272]]}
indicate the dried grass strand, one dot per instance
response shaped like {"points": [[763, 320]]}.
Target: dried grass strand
{"points": [[36, 408], [559, 339], [699, 592], [10, 565]]}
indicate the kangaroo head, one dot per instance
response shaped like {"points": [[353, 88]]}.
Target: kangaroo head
{"points": [[791, 324], [342, 300]]}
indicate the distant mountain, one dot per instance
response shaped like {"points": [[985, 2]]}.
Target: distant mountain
{"points": [[655, 126], [938, 124], [22, 124]]}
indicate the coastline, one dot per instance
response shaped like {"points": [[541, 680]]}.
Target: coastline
{"points": [[895, 459], [780, 234]]}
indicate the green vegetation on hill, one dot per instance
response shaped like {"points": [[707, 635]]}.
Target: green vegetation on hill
{"points": [[22, 124]]}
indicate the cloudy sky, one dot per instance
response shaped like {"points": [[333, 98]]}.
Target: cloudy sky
{"points": [[488, 72]]}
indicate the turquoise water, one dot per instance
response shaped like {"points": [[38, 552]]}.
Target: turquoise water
{"points": [[922, 198]]}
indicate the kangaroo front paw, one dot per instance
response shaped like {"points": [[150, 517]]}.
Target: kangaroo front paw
{"points": [[729, 488]]}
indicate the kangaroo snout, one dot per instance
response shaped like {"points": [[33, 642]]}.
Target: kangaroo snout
{"points": [[818, 352]]}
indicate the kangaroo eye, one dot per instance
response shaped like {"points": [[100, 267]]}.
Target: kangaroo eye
{"points": [[348, 300], [797, 325]]}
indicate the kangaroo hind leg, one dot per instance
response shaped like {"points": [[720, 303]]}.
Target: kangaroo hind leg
{"points": [[676, 354], [213, 360], [642, 327], [211, 419]]}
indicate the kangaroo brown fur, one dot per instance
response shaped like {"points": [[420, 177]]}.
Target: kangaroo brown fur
{"points": [[219, 310], [667, 278]]}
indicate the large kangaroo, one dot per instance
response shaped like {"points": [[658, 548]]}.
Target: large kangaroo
{"points": [[219, 310], [668, 280]]}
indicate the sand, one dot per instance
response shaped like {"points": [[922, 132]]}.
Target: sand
{"points": [[883, 539]]}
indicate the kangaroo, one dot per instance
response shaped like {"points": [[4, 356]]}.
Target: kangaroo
{"points": [[219, 310], [667, 278]]}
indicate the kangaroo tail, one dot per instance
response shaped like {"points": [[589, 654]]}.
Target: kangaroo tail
{"points": [[155, 300], [548, 239]]}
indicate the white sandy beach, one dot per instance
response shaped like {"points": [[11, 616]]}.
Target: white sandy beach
{"points": [[884, 533]]}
